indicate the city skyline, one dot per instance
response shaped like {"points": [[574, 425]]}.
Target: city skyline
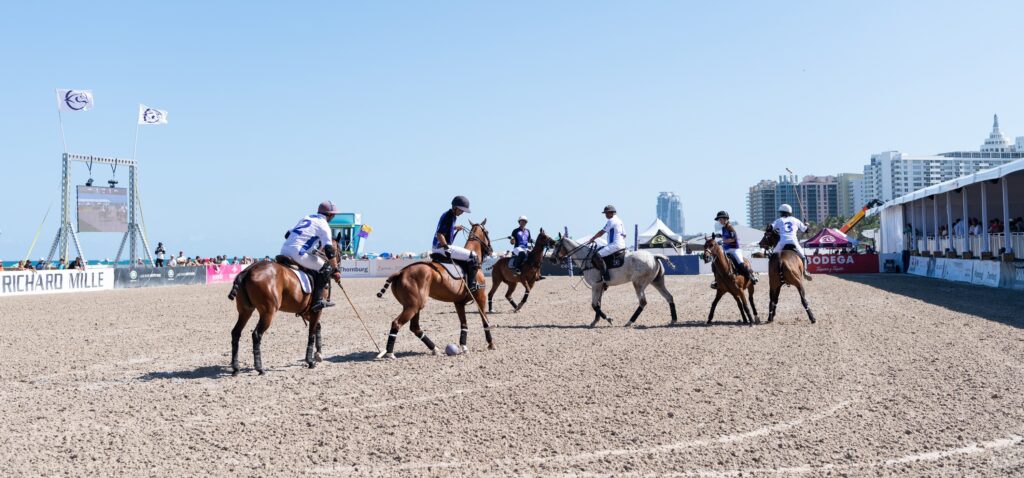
{"points": [[390, 111]]}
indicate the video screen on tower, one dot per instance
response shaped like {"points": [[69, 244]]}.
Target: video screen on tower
{"points": [[102, 209]]}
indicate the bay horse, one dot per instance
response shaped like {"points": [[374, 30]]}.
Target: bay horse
{"points": [[269, 287], [785, 268], [728, 280], [529, 273], [640, 267], [419, 282]]}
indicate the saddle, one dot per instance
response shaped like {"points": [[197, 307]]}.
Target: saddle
{"points": [[615, 260], [289, 263], [454, 270]]}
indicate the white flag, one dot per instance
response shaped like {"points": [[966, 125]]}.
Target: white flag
{"points": [[74, 100], [149, 115]]}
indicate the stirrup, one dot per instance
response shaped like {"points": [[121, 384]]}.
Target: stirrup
{"points": [[322, 304]]}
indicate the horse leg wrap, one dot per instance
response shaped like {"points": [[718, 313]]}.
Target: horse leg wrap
{"points": [[319, 338], [391, 342], [426, 340], [526, 297], [510, 301], [257, 359], [636, 314], [672, 308], [487, 335], [490, 306], [463, 335]]}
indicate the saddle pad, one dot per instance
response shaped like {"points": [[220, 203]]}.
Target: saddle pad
{"points": [[454, 270], [303, 277], [615, 260]]}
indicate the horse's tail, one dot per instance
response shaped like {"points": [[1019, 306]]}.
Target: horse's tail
{"points": [[240, 279], [664, 258], [387, 283]]}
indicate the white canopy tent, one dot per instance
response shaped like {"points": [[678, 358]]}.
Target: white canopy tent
{"points": [[992, 193]]}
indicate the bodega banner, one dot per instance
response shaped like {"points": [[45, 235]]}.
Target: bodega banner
{"points": [[842, 263]]}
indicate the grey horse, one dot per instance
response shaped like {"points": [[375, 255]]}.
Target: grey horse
{"points": [[641, 268]]}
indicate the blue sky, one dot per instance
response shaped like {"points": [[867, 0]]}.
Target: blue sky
{"points": [[549, 109]]}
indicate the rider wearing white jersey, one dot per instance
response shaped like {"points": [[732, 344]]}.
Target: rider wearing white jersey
{"points": [[788, 228], [616, 240], [302, 245]]}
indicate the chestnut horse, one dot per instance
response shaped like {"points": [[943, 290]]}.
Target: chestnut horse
{"points": [[785, 268], [417, 283], [269, 287], [729, 281], [529, 272]]}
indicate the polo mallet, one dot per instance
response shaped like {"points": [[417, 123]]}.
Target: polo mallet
{"points": [[360, 317], [465, 284], [799, 199]]}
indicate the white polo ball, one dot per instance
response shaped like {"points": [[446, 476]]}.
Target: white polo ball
{"points": [[452, 349]]}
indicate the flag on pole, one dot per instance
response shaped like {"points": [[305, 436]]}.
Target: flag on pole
{"points": [[365, 230], [149, 115], [74, 100]]}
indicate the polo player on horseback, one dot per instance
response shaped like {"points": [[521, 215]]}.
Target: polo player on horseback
{"points": [[788, 227], [616, 240], [521, 242], [445, 232], [303, 243], [731, 246]]}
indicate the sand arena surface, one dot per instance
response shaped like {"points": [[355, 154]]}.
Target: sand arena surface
{"points": [[901, 376]]}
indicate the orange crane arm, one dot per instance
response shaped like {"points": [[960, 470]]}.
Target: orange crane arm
{"points": [[860, 215]]}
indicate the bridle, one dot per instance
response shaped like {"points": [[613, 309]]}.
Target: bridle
{"points": [[485, 246], [585, 262]]}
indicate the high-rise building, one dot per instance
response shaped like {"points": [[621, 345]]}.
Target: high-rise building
{"points": [[761, 207], [851, 193], [820, 195], [892, 174], [786, 192], [670, 211]]}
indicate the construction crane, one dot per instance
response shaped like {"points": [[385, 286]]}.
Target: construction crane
{"points": [[860, 215]]}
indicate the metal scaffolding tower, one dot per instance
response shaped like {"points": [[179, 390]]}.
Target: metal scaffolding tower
{"points": [[67, 233]]}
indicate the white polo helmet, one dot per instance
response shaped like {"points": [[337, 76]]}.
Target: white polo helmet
{"points": [[786, 208], [522, 218]]}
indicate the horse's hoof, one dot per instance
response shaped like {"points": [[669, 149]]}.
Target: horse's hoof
{"points": [[491, 347], [435, 351], [628, 324], [234, 373], [465, 349], [311, 364], [385, 355], [261, 372]]}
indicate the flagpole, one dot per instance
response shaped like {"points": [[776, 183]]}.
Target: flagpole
{"points": [[135, 148], [60, 120]]}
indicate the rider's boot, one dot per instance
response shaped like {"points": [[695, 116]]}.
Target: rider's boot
{"points": [[601, 266], [320, 282], [470, 267], [746, 272], [520, 261], [807, 273]]}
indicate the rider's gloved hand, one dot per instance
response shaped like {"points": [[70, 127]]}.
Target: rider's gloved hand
{"points": [[336, 275]]}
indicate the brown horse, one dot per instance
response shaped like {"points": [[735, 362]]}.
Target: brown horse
{"points": [[269, 287], [785, 268], [417, 283], [529, 273], [729, 281]]}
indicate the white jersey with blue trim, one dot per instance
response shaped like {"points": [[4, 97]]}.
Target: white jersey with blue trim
{"points": [[788, 227], [310, 234], [616, 232]]}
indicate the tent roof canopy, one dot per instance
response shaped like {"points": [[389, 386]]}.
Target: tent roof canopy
{"points": [[653, 229], [829, 237]]}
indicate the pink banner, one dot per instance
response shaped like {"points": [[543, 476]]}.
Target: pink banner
{"points": [[841, 263], [223, 273]]}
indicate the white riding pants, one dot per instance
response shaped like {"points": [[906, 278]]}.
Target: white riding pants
{"points": [[457, 253], [309, 261], [609, 250], [782, 244]]}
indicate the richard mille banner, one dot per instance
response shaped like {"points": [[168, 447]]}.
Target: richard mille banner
{"points": [[53, 282]]}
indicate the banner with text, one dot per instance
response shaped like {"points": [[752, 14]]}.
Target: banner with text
{"points": [[842, 263], [134, 277], [52, 282], [222, 273]]}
